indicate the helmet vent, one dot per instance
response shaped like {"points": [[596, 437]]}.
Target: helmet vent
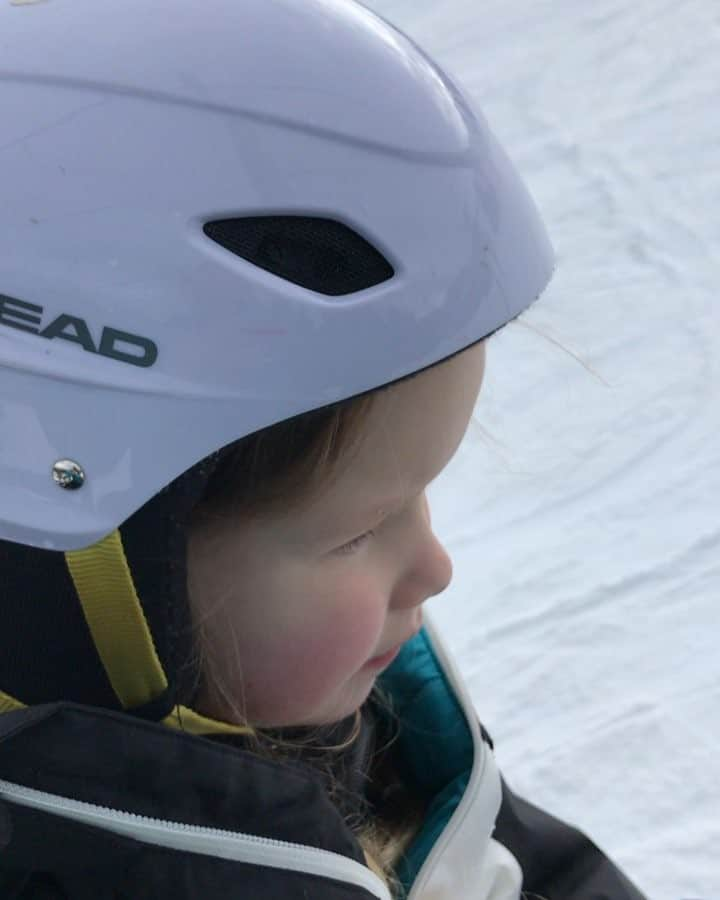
{"points": [[319, 254]]}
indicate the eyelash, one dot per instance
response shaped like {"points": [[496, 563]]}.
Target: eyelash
{"points": [[354, 544]]}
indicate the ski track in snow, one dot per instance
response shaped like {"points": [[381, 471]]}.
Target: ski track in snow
{"points": [[581, 509]]}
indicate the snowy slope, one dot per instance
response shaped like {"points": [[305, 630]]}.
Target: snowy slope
{"points": [[582, 509]]}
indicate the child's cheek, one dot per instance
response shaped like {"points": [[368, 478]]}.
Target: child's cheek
{"points": [[344, 640], [314, 660]]}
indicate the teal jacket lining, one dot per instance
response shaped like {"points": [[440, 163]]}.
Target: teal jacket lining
{"points": [[435, 743]]}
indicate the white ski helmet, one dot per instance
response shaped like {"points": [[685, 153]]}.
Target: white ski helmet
{"points": [[219, 215]]}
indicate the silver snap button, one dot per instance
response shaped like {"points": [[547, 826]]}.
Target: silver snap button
{"points": [[68, 475]]}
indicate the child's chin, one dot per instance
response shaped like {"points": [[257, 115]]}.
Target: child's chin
{"points": [[344, 707]]}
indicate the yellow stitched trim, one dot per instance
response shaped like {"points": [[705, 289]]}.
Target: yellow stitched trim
{"points": [[104, 584], [181, 718], [185, 719], [8, 703]]}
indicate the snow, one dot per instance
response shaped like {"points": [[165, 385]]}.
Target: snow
{"points": [[581, 511]]}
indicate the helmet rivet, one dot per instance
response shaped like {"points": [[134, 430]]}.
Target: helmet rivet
{"points": [[68, 475]]}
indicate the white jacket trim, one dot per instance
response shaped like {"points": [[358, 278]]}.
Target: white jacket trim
{"points": [[466, 863]]}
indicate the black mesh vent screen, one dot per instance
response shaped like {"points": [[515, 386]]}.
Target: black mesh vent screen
{"points": [[319, 254]]}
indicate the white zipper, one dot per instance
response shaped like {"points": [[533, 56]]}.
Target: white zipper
{"points": [[480, 755], [245, 848]]}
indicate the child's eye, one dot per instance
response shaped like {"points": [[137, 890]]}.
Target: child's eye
{"points": [[356, 543]]}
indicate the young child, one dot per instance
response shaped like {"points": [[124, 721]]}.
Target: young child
{"points": [[251, 255]]}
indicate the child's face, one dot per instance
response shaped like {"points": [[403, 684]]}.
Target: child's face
{"points": [[299, 621]]}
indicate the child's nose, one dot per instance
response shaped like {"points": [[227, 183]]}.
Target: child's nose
{"points": [[429, 572], [438, 562], [436, 567]]}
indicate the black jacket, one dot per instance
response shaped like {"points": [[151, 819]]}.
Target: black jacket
{"points": [[97, 804]]}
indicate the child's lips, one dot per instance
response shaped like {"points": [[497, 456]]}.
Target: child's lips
{"points": [[384, 659]]}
